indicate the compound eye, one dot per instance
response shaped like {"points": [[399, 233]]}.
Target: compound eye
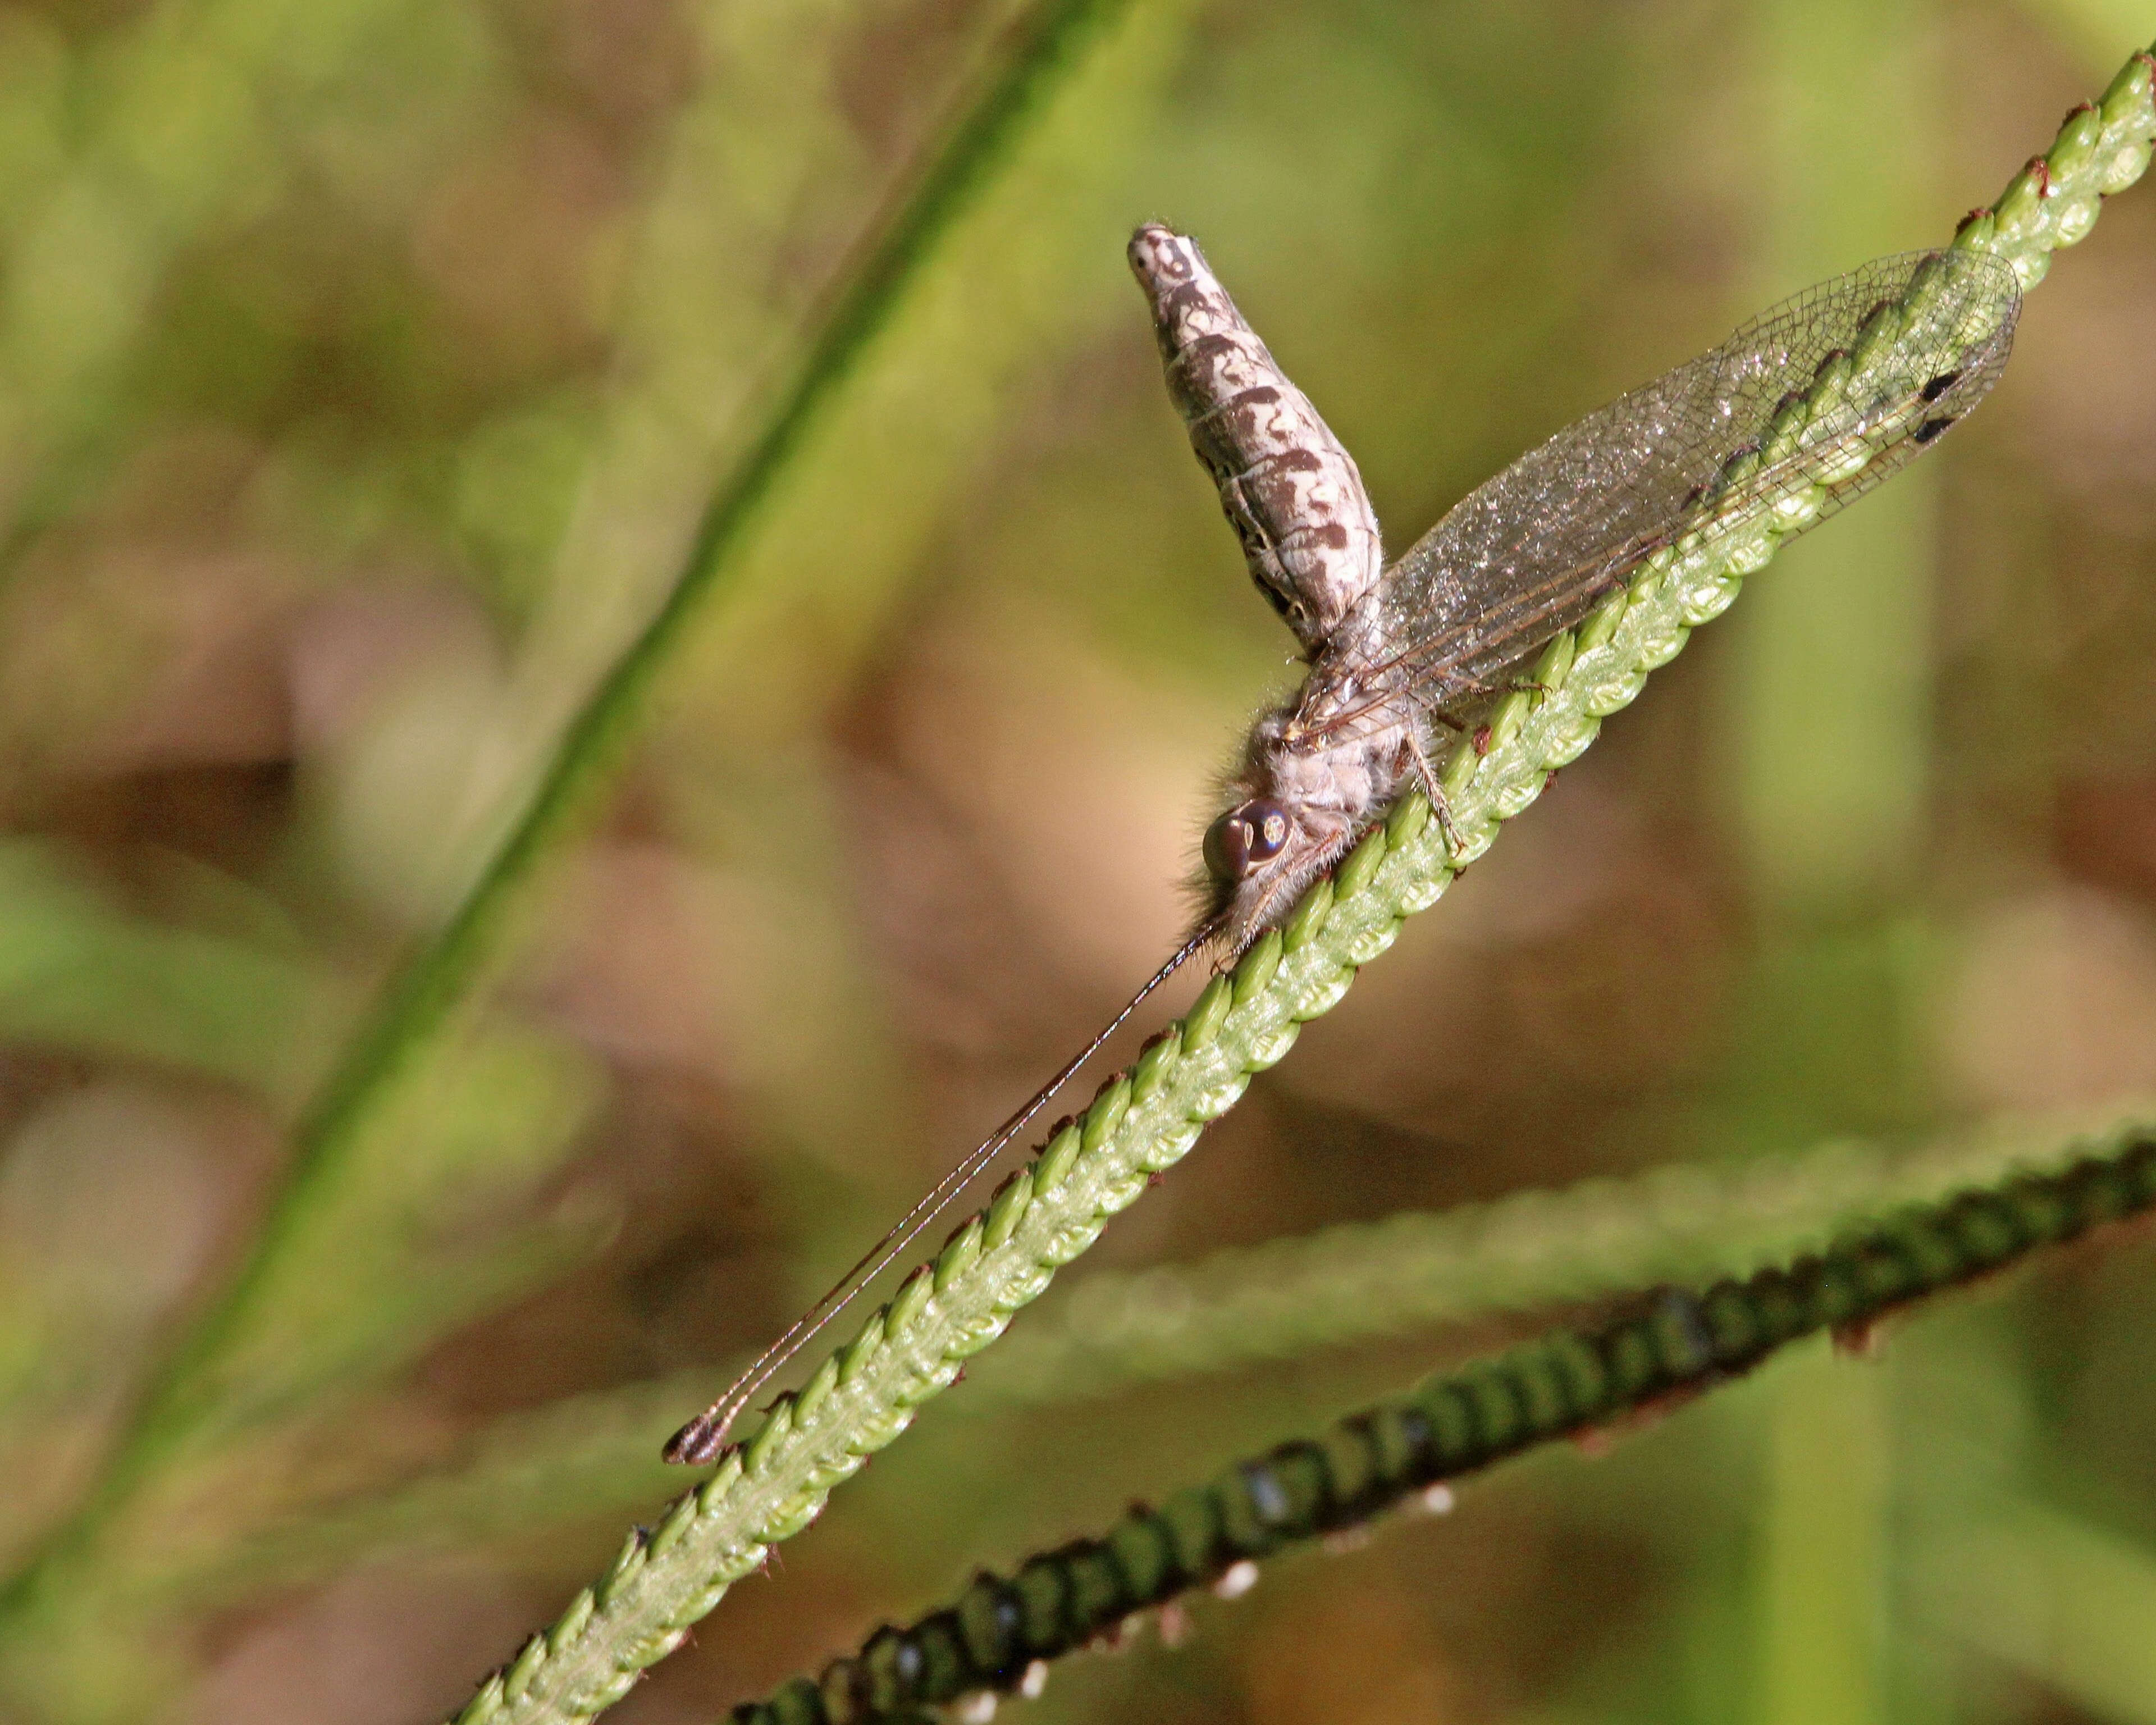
{"points": [[1247, 836]]}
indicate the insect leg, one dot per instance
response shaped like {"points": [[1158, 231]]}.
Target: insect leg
{"points": [[1428, 774]]}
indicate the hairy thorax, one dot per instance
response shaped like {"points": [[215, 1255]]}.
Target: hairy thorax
{"points": [[1325, 763]]}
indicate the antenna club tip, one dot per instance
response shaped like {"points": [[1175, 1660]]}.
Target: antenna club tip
{"points": [[702, 1441]]}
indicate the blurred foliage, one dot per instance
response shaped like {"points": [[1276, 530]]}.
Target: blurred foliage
{"points": [[363, 368]]}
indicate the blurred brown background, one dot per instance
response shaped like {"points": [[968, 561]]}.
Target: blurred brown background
{"points": [[363, 365]]}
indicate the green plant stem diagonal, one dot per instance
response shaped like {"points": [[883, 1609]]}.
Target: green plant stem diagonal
{"points": [[1047, 42], [1662, 1346], [1145, 1119]]}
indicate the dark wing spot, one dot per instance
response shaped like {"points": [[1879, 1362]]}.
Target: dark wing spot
{"points": [[1332, 536], [1264, 395], [1931, 429], [1939, 385]]}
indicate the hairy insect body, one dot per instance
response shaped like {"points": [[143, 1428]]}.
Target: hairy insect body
{"points": [[1327, 782], [1803, 407], [1302, 789], [1288, 487]]}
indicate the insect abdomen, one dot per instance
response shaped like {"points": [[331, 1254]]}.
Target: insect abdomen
{"points": [[1291, 492]]}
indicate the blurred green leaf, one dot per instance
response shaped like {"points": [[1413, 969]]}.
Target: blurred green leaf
{"points": [[2055, 1599], [78, 973], [405, 1245]]}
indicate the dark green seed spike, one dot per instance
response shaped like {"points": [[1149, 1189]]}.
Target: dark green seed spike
{"points": [[1683, 1344], [800, 1702], [1145, 1552], [2043, 1207], [1932, 1250], [1539, 1391], [1633, 1367], [1777, 1312], [2100, 1198], [1193, 1519], [1355, 1468], [2075, 1207], [1499, 1418], [1272, 1504], [1835, 1298], [890, 1676], [1808, 1280], [990, 1624], [1579, 1364], [1043, 1587], [843, 1692], [1098, 1594], [1882, 1272], [1737, 1336], [2118, 1194], [1246, 1532], [1986, 1231], [2126, 1180], [1405, 1443], [1304, 1470], [1446, 1427], [1452, 1429], [945, 1672], [2092, 1198], [2139, 1170]]}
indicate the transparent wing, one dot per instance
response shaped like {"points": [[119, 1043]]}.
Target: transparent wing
{"points": [[1806, 406]]}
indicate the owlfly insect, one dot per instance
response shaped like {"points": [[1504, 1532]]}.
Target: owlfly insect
{"points": [[1805, 406]]}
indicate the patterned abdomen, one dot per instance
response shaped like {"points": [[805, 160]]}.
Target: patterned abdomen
{"points": [[1290, 490]]}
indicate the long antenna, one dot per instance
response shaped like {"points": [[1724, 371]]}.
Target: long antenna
{"points": [[702, 1437]]}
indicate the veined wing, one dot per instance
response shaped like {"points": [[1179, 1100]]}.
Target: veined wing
{"points": [[1808, 405]]}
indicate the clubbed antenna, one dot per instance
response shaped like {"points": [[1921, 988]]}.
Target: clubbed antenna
{"points": [[703, 1438]]}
